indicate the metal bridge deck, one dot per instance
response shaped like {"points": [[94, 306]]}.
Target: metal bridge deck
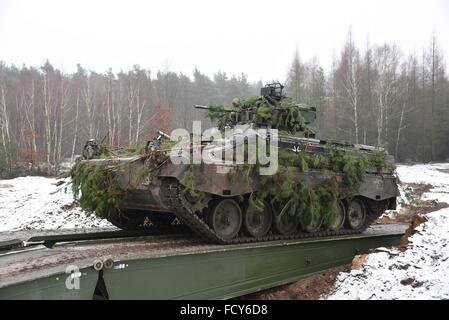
{"points": [[175, 266]]}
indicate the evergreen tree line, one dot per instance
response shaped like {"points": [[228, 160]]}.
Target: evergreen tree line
{"points": [[377, 95], [46, 116]]}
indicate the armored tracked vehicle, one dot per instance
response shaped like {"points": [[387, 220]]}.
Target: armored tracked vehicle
{"points": [[307, 188]]}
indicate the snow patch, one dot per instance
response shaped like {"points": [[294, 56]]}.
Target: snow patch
{"points": [[37, 203], [424, 173], [420, 272]]}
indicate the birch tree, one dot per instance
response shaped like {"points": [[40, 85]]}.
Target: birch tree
{"points": [[351, 81], [385, 87]]}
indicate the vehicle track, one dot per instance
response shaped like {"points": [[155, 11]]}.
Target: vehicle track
{"points": [[175, 199]]}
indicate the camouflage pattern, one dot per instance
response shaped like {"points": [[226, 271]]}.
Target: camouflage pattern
{"points": [[212, 183]]}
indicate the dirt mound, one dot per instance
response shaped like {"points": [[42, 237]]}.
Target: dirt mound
{"points": [[419, 189], [417, 220], [416, 214], [411, 282], [359, 261], [417, 206]]}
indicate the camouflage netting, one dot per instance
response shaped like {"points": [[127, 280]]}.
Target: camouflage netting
{"points": [[284, 115], [97, 189], [100, 191], [311, 204], [97, 185]]}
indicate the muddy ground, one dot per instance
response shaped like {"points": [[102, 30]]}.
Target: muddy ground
{"points": [[309, 288]]}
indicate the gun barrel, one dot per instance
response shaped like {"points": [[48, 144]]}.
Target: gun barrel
{"points": [[197, 106], [163, 134]]}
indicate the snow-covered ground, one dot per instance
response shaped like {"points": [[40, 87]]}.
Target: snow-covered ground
{"points": [[37, 203], [420, 272], [436, 174]]}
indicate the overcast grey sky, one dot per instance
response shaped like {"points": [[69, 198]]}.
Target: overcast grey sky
{"points": [[255, 37]]}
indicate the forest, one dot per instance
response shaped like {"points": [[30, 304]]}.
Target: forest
{"points": [[373, 94]]}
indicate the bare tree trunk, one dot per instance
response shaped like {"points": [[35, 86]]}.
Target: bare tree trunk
{"points": [[55, 138], [356, 119], [352, 90], [89, 107], [4, 123], [75, 135], [351, 83], [109, 115], [48, 114], [140, 108], [5, 117], [131, 97], [334, 97], [61, 117], [119, 119], [380, 119], [401, 119], [385, 89], [114, 113], [432, 99], [33, 118], [30, 119]]}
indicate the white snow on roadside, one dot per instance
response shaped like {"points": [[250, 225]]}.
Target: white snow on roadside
{"points": [[424, 173], [436, 174], [420, 272], [37, 203]]}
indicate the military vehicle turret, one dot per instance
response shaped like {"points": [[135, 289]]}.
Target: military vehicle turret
{"points": [[263, 174]]}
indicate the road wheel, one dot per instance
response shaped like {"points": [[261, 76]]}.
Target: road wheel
{"points": [[356, 214], [285, 223], [312, 226], [226, 218], [257, 223], [340, 218]]}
